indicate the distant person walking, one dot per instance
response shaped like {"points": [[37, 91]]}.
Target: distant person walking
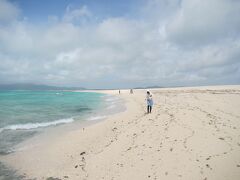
{"points": [[149, 99]]}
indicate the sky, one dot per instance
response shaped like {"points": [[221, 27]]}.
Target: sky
{"points": [[120, 44]]}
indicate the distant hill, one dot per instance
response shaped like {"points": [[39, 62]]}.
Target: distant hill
{"points": [[35, 87], [149, 87]]}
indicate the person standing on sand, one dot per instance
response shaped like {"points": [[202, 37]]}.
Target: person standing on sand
{"points": [[149, 99], [119, 92]]}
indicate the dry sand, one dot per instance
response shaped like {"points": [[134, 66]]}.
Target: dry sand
{"points": [[192, 133]]}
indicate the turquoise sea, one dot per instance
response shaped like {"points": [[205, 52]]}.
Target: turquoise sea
{"points": [[26, 113], [23, 113]]}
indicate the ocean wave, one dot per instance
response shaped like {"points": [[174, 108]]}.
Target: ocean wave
{"points": [[96, 118], [111, 106], [112, 98], [36, 125]]}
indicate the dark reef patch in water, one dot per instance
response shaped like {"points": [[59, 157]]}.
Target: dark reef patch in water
{"points": [[81, 109]]}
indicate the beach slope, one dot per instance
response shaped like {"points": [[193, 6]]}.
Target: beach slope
{"points": [[192, 133]]}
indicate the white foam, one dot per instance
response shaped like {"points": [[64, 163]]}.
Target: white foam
{"points": [[1, 129], [111, 99], [111, 106], [96, 118], [36, 125]]}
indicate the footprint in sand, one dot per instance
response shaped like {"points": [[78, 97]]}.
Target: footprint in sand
{"points": [[129, 148], [53, 178], [208, 166], [208, 158], [82, 153]]}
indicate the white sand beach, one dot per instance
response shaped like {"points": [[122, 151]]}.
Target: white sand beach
{"points": [[192, 133]]}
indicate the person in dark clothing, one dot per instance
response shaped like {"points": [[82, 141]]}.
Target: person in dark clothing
{"points": [[149, 99]]}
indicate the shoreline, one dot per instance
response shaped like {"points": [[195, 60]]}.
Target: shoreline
{"points": [[108, 102], [191, 134], [42, 134]]}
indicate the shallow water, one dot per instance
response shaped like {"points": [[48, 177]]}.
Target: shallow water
{"points": [[32, 109], [23, 114], [8, 174]]}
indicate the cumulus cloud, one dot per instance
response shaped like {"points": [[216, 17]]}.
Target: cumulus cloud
{"points": [[76, 15], [171, 43], [198, 21], [8, 11]]}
